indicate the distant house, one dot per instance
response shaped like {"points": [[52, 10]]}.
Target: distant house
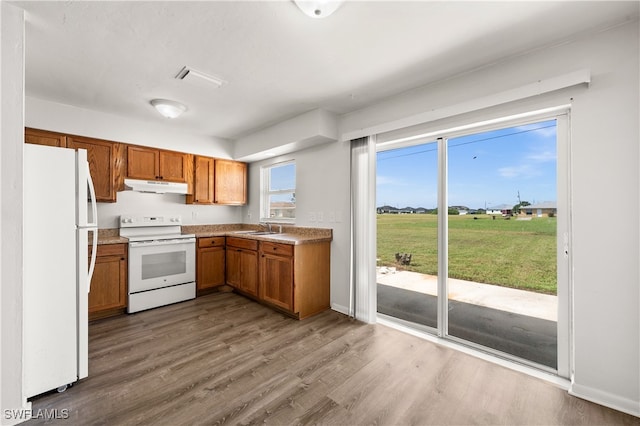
{"points": [[502, 210], [387, 209], [283, 209], [405, 210], [546, 208]]}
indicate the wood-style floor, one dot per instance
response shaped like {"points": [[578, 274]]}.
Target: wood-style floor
{"points": [[223, 359]]}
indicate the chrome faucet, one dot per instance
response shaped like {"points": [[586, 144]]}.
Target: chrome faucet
{"points": [[266, 225]]}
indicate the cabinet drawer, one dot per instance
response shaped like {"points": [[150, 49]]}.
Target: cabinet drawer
{"points": [[242, 243], [210, 242], [110, 250], [275, 248]]}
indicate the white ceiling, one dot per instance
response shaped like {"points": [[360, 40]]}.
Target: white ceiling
{"points": [[115, 57]]}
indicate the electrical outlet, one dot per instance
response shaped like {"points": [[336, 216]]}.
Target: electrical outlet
{"points": [[312, 217], [320, 216], [331, 217]]}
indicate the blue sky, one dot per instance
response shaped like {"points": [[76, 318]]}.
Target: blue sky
{"points": [[485, 169]]}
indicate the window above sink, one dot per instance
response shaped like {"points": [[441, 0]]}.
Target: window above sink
{"points": [[278, 192]]}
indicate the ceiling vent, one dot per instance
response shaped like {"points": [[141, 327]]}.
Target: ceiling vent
{"points": [[189, 74]]}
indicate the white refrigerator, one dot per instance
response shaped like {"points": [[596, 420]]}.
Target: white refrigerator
{"points": [[59, 213]]}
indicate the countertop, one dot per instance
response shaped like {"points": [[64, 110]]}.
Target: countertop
{"points": [[293, 235]]}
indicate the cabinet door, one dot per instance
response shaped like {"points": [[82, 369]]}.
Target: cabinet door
{"points": [[210, 267], [276, 280], [43, 137], [108, 284], [242, 270], [233, 267], [249, 272], [101, 156], [230, 182], [143, 163], [173, 166], [203, 180]]}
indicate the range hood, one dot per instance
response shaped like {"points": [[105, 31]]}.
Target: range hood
{"points": [[155, 186]]}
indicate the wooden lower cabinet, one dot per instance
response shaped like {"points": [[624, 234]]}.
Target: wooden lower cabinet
{"points": [[276, 275], [295, 278], [210, 264], [108, 292], [242, 265]]}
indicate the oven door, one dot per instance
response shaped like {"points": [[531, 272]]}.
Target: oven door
{"points": [[161, 263]]}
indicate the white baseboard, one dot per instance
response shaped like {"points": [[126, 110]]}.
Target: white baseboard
{"points": [[339, 308], [605, 398]]}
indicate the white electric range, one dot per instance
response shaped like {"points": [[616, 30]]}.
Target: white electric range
{"points": [[161, 261]]}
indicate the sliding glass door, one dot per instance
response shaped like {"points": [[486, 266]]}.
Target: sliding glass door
{"points": [[502, 239], [407, 234], [468, 237]]}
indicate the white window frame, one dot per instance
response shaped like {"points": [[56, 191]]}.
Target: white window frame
{"points": [[266, 193]]}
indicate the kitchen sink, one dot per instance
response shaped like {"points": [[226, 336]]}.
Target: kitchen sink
{"points": [[255, 232]]}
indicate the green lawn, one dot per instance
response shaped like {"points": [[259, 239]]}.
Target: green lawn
{"points": [[510, 253]]}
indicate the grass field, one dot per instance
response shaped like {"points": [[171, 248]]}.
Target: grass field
{"points": [[510, 253]]}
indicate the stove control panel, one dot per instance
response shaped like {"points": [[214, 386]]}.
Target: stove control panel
{"points": [[127, 221]]}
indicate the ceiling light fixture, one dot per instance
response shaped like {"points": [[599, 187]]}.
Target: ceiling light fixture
{"points": [[318, 8], [169, 109]]}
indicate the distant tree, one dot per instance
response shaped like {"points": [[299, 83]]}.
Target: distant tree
{"points": [[450, 210], [517, 207]]}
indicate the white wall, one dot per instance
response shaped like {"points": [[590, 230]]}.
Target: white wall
{"points": [[605, 158], [322, 186], [11, 141], [41, 114], [130, 202], [47, 115]]}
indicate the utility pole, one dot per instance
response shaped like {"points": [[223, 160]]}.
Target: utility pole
{"points": [[519, 202]]}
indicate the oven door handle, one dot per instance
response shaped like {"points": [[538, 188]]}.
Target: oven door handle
{"points": [[161, 242]]}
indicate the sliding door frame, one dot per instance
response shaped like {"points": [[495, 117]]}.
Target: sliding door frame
{"points": [[561, 114]]}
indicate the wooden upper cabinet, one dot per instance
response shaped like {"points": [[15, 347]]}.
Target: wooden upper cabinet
{"points": [[230, 182], [155, 164], [174, 166], [143, 163], [103, 165], [203, 176], [44, 137]]}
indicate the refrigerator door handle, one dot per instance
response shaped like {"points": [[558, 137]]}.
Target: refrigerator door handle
{"points": [[94, 204], [85, 192], [94, 251]]}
